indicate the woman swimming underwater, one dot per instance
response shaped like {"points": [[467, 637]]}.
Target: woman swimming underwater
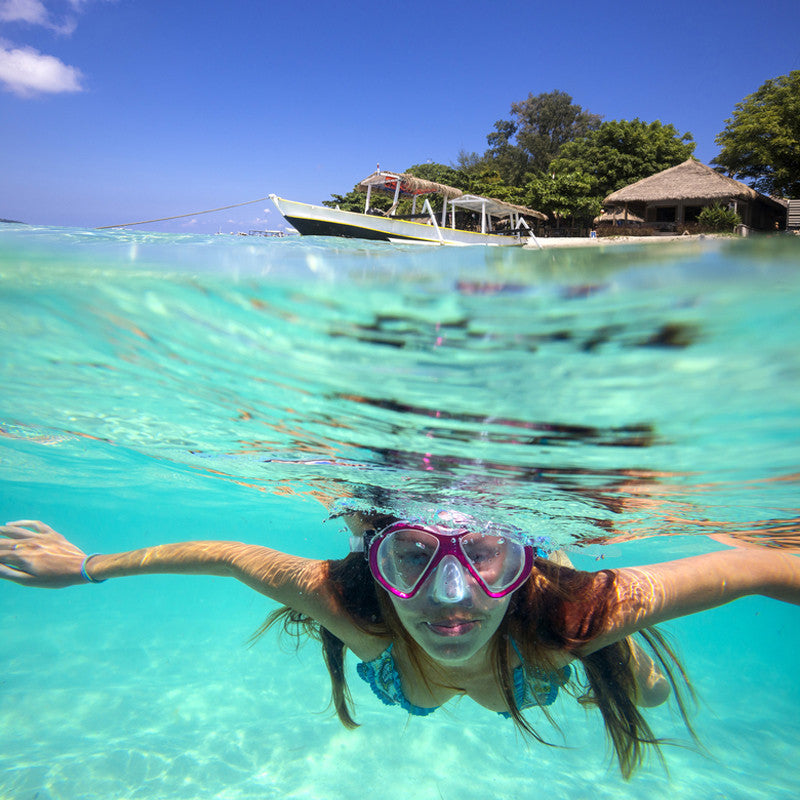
{"points": [[447, 606]]}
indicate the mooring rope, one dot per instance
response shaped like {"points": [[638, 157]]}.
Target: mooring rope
{"points": [[180, 216]]}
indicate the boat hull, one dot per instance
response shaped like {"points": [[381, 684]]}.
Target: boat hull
{"points": [[310, 220]]}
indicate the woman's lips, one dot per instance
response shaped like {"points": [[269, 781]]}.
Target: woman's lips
{"points": [[451, 627]]}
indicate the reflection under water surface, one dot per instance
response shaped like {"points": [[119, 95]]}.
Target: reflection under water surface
{"points": [[586, 395]]}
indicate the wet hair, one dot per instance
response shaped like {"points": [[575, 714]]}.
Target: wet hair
{"points": [[563, 609], [557, 609]]}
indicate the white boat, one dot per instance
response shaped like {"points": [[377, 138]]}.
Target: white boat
{"points": [[496, 222]]}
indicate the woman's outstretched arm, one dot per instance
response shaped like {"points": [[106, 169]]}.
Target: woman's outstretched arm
{"points": [[33, 554], [656, 593]]}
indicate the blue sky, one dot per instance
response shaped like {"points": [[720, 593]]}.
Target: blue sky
{"points": [[123, 110]]}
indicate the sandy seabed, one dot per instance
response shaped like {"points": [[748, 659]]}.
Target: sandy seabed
{"points": [[177, 708]]}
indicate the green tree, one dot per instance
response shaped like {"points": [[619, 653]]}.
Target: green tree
{"points": [[761, 142], [440, 173], [470, 164], [354, 201], [489, 183], [504, 157], [539, 126], [564, 196], [621, 152]]}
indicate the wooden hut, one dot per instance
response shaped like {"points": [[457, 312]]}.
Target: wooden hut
{"points": [[678, 195]]}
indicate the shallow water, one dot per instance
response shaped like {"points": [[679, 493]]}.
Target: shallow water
{"points": [[625, 403]]}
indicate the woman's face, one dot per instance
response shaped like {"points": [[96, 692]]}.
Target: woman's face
{"points": [[451, 633]]}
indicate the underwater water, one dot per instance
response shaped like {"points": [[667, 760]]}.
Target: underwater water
{"points": [[631, 404]]}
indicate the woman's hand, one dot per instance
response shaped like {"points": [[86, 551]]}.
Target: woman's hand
{"points": [[33, 554], [652, 688]]}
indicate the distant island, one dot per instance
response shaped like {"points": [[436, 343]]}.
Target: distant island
{"points": [[13, 221]]}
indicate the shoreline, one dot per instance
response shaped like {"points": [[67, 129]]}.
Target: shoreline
{"points": [[607, 241]]}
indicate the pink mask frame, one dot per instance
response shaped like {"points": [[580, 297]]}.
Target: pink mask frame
{"points": [[448, 543]]}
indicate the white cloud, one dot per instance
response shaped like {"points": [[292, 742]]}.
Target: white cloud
{"points": [[34, 12], [26, 72]]}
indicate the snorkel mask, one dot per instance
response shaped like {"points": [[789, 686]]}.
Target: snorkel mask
{"points": [[404, 555]]}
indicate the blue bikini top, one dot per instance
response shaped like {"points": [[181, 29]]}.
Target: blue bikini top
{"points": [[532, 686]]}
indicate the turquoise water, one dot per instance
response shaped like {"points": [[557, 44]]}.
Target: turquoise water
{"points": [[626, 402]]}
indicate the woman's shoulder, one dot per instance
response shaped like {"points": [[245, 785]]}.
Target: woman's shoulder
{"points": [[333, 616], [548, 661]]}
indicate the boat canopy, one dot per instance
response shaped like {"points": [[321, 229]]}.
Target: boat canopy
{"points": [[401, 184], [495, 208]]}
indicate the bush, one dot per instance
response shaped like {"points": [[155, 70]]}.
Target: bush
{"points": [[718, 219]]}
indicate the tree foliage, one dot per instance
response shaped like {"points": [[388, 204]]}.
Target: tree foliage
{"points": [[564, 196], [539, 126], [718, 219], [622, 152], [761, 141], [489, 183], [553, 156], [354, 201], [440, 173]]}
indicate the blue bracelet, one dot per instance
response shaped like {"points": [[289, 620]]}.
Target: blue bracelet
{"points": [[86, 576]]}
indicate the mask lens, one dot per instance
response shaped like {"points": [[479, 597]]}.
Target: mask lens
{"points": [[498, 560], [403, 557]]}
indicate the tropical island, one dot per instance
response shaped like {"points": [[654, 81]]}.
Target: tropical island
{"points": [[630, 177]]}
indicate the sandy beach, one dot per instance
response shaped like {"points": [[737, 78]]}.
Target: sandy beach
{"points": [[606, 241]]}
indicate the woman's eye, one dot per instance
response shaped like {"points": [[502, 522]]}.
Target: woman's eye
{"points": [[414, 554], [483, 554]]}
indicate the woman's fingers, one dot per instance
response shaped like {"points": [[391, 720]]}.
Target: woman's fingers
{"points": [[7, 551], [24, 527], [10, 561], [15, 575], [34, 554]]}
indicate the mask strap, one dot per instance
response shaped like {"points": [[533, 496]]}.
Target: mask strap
{"points": [[360, 544]]}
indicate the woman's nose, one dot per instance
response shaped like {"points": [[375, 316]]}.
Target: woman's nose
{"points": [[449, 581]]}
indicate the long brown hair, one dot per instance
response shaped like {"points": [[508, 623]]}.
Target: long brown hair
{"points": [[557, 609]]}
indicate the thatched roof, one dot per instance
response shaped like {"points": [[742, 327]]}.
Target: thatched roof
{"points": [[409, 185], [614, 215], [497, 208], [688, 181]]}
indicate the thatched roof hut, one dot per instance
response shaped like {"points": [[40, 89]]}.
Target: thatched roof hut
{"points": [[618, 216], [690, 180], [678, 194]]}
